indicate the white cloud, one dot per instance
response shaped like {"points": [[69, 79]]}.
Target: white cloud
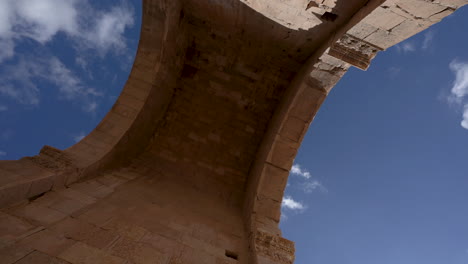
{"points": [[464, 122], [311, 186], [41, 20], [109, 29], [2, 153], [79, 137], [297, 170], [428, 38], [406, 47], [393, 71], [308, 185], [7, 47], [289, 203], [19, 81], [5, 17], [90, 107], [459, 88], [460, 85]]}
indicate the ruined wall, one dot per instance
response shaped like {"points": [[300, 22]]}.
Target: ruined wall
{"points": [[191, 163]]}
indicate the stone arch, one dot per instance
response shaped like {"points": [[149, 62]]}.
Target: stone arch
{"points": [[390, 23], [117, 138], [217, 103]]}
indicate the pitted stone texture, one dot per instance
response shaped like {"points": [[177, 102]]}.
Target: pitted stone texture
{"points": [[397, 20], [354, 51], [190, 164], [110, 229], [273, 249], [294, 14], [52, 158]]}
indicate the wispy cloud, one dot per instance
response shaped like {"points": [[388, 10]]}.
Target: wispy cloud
{"points": [[2, 153], [393, 71], [19, 81], [307, 184], [3, 108], [6, 134], [415, 45], [464, 122], [311, 186], [110, 27], [297, 170], [41, 20], [290, 204], [406, 47], [460, 84], [428, 38], [79, 137], [459, 89]]}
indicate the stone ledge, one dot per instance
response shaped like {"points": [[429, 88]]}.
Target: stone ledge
{"points": [[354, 51]]}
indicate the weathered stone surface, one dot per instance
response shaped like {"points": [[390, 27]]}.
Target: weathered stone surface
{"points": [[190, 164], [354, 51]]}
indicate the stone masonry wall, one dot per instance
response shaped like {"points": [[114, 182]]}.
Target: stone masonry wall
{"points": [[191, 163]]}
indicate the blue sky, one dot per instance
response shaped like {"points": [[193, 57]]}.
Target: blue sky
{"points": [[380, 177], [62, 65]]}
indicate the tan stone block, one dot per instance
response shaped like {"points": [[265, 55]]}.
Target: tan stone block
{"points": [[407, 29], [40, 214], [193, 256], [293, 128], [111, 181], [200, 245], [421, 8], [37, 257], [126, 229], [383, 18], [137, 88], [166, 231], [68, 206], [99, 214], [76, 195], [131, 102], [102, 239], [382, 39], [163, 244], [81, 253], [138, 253], [13, 193], [92, 188], [283, 152], [226, 260], [13, 226], [39, 186], [47, 242], [129, 175], [7, 177], [11, 254], [273, 182], [439, 16], [307, 103], [268, 207], [74, 229]]}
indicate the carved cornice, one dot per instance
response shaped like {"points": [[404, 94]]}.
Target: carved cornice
{"points": [[354, 51]]}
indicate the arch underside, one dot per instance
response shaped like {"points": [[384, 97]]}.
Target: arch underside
{"points": [[191, 163]]}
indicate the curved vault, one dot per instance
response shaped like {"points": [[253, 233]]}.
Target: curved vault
{"points": [[190, 164]]}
